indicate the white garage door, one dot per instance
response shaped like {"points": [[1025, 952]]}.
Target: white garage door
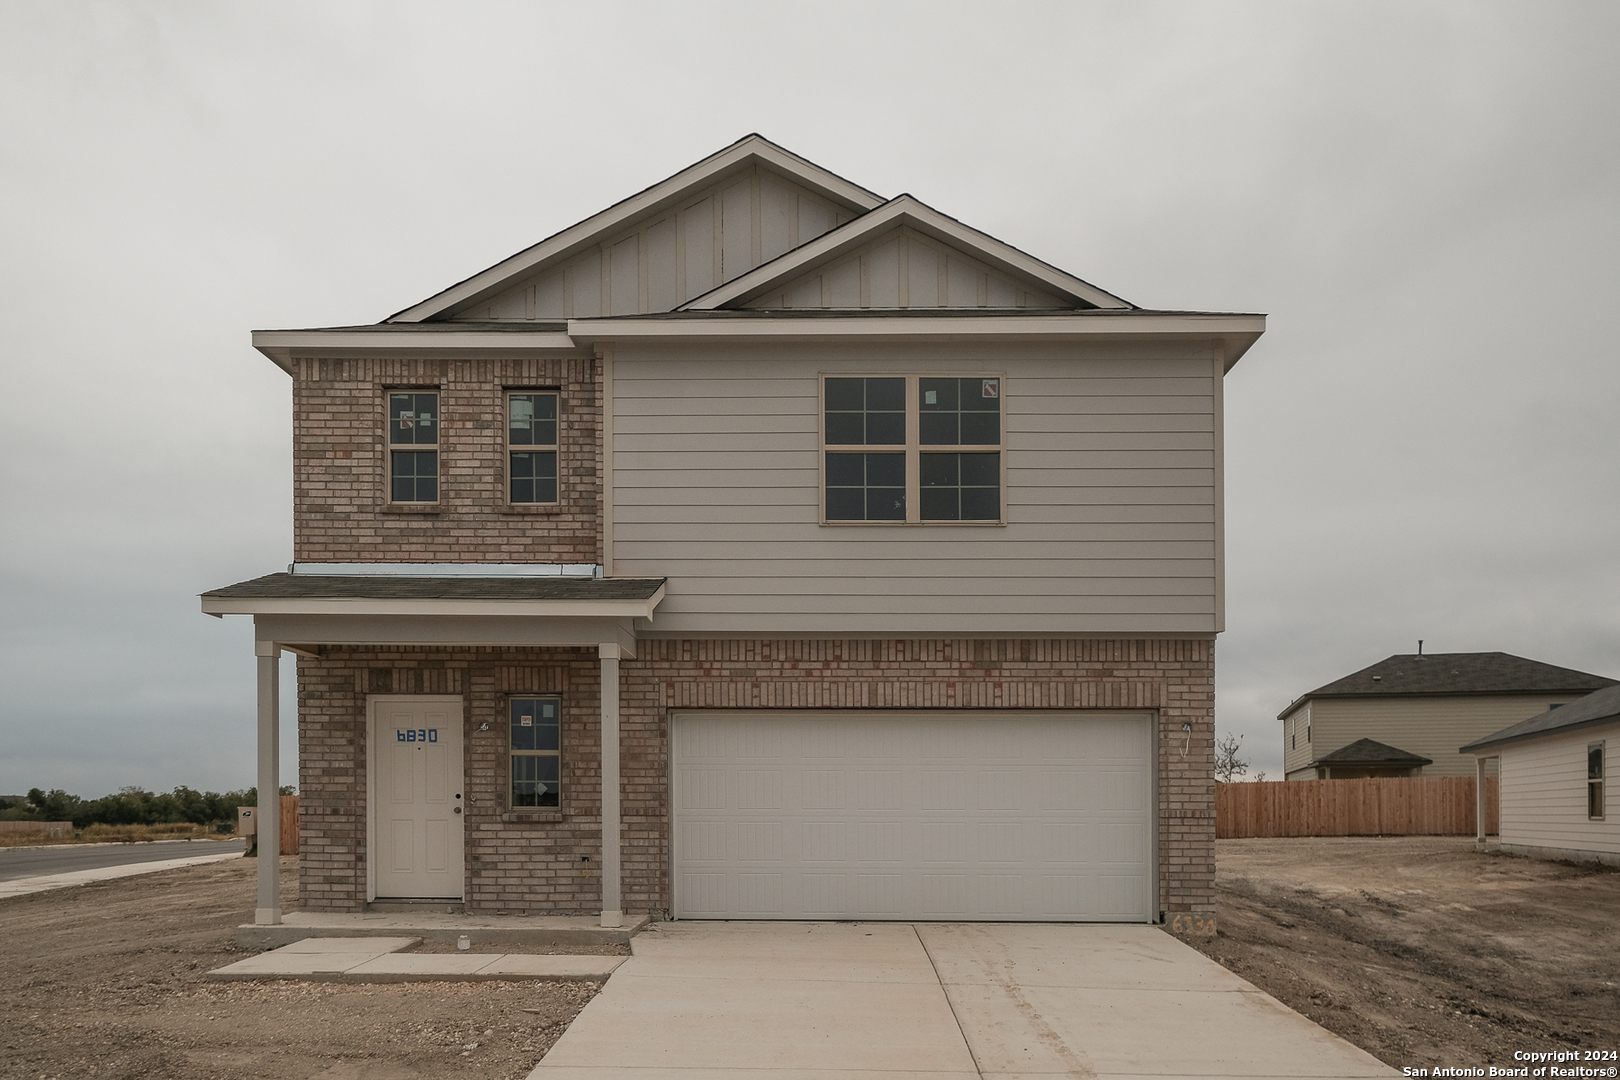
{"points": [[1018, 816]]}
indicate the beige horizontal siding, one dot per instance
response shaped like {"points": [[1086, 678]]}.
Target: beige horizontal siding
{"points": [[1431, 726], [1110, 466], [1544, 793]]}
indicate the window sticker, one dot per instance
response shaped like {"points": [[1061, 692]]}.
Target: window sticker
{"points": [[525, 721], [990, 388], [930, 397]]}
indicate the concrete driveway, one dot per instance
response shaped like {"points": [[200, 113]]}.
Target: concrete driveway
{"points": [[945, 1001]]}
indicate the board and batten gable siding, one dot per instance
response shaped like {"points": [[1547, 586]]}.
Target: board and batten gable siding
{"points": [[1430, 726], [1544, 793], [655, 265], [1110, 501], [903, 269]]}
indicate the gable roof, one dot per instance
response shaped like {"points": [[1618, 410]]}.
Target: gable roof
{"points": [[1456, 673], [1593, 710], [752, 150], [1372, 752], [903, 211]]}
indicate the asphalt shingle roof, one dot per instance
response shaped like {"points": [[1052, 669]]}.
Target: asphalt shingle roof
{"points": [[1602, 707], [399, 587], [1460, 673], [1370, 752]]}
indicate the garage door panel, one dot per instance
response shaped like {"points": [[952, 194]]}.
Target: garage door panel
{"points": [[899, 815]]}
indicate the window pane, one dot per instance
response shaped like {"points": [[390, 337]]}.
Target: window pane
{"points": [[534, 477], [549, 787], [940, 504], [865, 411], [885, 429], [846, 504], [844, 429], [1594, 799], [886, 504], [981, 395], [981, 470], [937, 429], [960, 412], [866, 487], [981, 429], [981, 504], [846, 395], [1594, 763], [415, 475], [413, 419], [939, 470], [887, 470], [938, 395], [960, 487]]}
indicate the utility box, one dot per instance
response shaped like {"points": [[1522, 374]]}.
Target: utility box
{"points": [[247, 823]]}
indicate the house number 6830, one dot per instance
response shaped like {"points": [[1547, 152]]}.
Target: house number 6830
{"points": [[428, 735]]}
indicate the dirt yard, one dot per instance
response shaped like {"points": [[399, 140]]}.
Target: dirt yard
{"points": [[1423, 951], [106, 981]]}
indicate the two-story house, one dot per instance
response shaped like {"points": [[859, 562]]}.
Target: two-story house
{"points": [[759, 547]]}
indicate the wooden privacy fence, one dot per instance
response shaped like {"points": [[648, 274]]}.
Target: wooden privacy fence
{"points": [[289, 824], [1378, 806]]}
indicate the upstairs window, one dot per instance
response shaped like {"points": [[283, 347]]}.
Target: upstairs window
{"points": [[531, 447], [1594, 781], [912, 449], [536, 737], [413, 441]]}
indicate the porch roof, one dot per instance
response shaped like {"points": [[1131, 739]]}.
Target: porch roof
{"points": [[396, 594]]}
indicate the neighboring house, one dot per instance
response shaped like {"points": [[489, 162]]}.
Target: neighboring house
{"points": [[757, 548], [1406, 715], [1554, 787]]}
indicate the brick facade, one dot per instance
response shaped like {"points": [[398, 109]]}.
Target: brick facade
{"points": [[341, 510], [547, 862]]}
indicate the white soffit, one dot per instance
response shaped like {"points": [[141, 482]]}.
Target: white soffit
{"points": [[751, 150], [901, 210]]}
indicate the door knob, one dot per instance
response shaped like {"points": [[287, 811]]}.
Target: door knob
{"points": [[458, 809]]}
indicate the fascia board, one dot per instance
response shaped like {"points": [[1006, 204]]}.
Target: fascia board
{"points": [[901, 210], [1238, 331], [593, 229], [279, 345], [559, 609]]}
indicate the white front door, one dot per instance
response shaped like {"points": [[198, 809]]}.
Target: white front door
{"points": [[416, 797]]}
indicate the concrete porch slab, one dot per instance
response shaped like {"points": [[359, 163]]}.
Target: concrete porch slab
{"points": [[534, 931], [378, 960]]}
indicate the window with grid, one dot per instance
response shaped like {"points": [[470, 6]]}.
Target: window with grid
{"points": [[1594, 781], [531, 444], [413, 441], [912, 449], [536, 730]]}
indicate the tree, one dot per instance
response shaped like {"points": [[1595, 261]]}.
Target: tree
{"points": [[1228, 766]]}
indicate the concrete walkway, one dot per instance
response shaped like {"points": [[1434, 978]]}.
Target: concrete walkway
{"points": [[379, 960], [46, 882], [813, 1001]]}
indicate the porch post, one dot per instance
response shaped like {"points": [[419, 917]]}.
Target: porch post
{"points": [[1479, 799], [612, 906], [268, 912]]}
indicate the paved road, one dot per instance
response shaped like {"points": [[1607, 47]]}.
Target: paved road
{"points": [[27, 862]]}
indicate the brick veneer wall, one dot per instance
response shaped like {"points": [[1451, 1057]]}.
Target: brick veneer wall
{"points": [[549, 863], [341, 511]]}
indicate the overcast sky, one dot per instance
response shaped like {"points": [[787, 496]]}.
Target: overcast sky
{"points": [[1423, 197]]}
